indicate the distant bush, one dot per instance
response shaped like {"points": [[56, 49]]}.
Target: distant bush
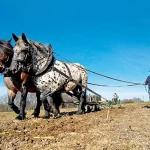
{"points": [[127, 101], [133, 100], [4, 108]]}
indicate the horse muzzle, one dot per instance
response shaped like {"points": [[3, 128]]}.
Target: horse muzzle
{"points": [[15, 67]]}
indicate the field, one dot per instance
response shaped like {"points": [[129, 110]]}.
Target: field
{"points": [[125, 128]]}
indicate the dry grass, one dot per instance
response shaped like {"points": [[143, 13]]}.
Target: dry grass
{"points": [[120, 129]]}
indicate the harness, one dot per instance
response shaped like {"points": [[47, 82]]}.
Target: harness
{"points": [[49, 66], [49, 63], [69, 78]]}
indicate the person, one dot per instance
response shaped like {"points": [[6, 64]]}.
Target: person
{"points": [[115, 98], [147, 82]]}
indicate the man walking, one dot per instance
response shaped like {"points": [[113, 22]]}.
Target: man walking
{"points": [[115, 99], [147, 82]]}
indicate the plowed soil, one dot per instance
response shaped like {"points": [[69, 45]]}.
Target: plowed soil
{"points": [[122, 128]]}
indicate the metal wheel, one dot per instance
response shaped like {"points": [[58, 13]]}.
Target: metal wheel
{"points": [[87, 109]]}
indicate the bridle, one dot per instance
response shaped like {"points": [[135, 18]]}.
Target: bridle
{"points": [[49, 63], [28, 65], [26, 50]]}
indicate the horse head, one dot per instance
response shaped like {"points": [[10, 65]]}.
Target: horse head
{"points": [[21, 53], [30, 56], [6, 54]]}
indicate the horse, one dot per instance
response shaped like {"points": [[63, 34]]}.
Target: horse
{"points": [[50, 76], [14, 83]]}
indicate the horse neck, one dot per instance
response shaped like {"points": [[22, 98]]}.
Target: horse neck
{"points": [[13, 81], [39, 59]]}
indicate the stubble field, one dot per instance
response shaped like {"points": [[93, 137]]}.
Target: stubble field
{"points": [[125, 128]]}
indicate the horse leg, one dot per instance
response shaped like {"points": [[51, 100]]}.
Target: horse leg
{"points": [[53, 108], [55, 101], [82, 90], [81, 107], [11, 97], [76, 92], [46, 106], [37, 109], [22, 104]]}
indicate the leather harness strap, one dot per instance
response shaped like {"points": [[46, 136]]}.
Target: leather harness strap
{"points": [[48, 68], [70, 76], [76, 82], [60, 72]]}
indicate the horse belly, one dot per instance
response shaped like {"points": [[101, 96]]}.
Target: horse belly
{"points": [[9, 84], [48, 83]]}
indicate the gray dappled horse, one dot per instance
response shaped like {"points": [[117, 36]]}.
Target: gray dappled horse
{"points": [[14, 83], [50, 76]]}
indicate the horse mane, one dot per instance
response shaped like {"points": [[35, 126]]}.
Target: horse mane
{"points": [[6, 47], [43, 49]]}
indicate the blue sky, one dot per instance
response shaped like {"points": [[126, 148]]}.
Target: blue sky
{"points": [[109, 37]]}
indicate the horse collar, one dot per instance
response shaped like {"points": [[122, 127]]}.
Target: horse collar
{"points": [[48, 67]]}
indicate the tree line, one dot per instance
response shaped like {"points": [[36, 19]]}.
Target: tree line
{"points": [[68, 101]]}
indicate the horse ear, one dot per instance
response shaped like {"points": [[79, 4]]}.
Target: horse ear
{"points": [[9, 41], [24, 38], [15, 37], [50, 47]]}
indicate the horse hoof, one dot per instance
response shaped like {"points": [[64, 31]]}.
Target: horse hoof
{"points": [[35, 115], [57, 116], [20, 117]]}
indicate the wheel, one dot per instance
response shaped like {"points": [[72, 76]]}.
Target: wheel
{"points": [[93, 108], [87, 109], [97, 108]]}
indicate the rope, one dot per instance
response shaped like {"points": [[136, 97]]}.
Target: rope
{"points": [[145, 88], [111, 85], [147, 92], [113, 78], [101, 74], [133, 83]]}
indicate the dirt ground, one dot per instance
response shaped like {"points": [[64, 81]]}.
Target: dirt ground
{"points": [[126, 128]]}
